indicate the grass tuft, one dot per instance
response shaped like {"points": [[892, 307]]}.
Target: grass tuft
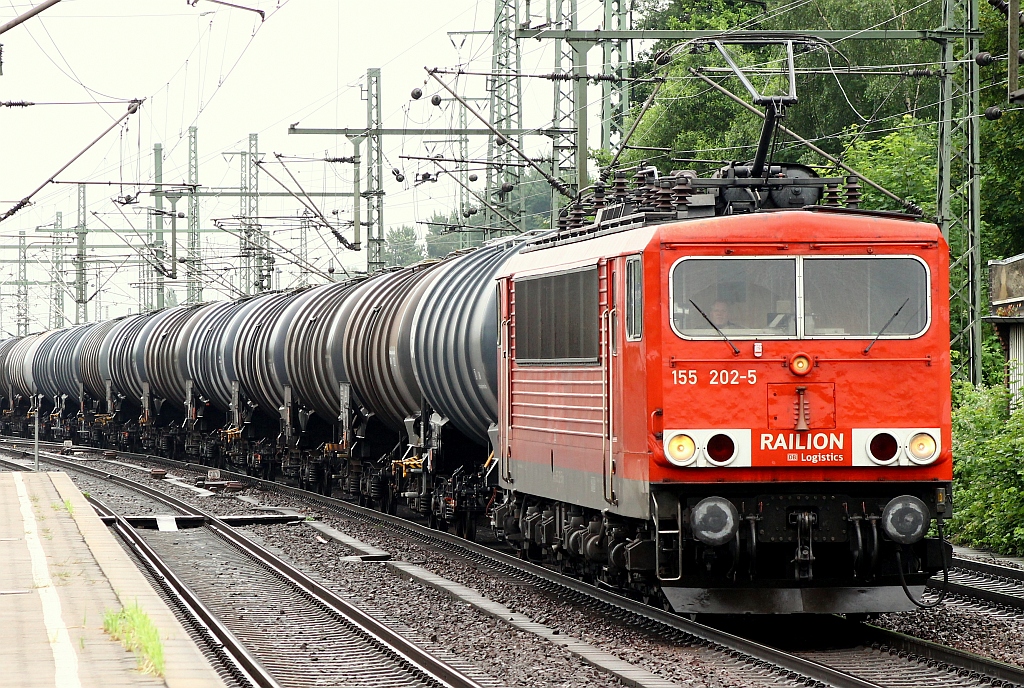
{"points": [[137, 633], [69, 506]]}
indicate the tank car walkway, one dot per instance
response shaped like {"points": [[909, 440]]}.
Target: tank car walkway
{"points": [[60, 572]]}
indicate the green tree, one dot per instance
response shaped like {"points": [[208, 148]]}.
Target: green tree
{"points": [[402, 247], [692, 120], [445, 234], [903, 161]]}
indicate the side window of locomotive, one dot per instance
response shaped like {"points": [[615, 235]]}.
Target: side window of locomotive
{"points": [[557, 318], [856, 297], [634, 299], [742, 297]]}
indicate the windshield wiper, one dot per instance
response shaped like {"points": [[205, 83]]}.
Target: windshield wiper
{"points": [[889, 322], [733, 346]]}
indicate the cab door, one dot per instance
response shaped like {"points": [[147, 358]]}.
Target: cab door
{"points": [[611, 272]]}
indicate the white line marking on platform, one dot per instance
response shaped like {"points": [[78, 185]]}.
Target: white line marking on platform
{"points": [[64, 658]]}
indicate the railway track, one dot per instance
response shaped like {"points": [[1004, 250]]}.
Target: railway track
{"points": [[991, 582], [264, 612], [867, 656]]}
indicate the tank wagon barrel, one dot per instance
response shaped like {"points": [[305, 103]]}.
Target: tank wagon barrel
{"points": [[208, 368], [377, 351], [454, 339], [42, 364], [21, 380], [252, 355], [67, 373], [6, 381], [301, 348], [118, 359], [87, 355], [161, 347]]}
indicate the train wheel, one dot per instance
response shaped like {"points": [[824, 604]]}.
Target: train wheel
{"points": [[465, 526]]}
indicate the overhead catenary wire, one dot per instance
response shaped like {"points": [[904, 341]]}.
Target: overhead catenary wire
{"points": [[288, 255], [132, 109], [309, 205]]}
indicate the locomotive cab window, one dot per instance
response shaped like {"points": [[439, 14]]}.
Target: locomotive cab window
{"points": [[862, 297], [556, 318], [741, 297], [838, 297], [634, 299]]}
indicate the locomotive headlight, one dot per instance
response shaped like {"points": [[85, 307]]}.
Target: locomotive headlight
{"points": [[906, 519], [800, 364], [714, 521], [681, 449], [922, 448]]}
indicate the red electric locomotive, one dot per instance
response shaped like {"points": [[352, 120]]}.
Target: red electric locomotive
{"points": [[728, 411]]}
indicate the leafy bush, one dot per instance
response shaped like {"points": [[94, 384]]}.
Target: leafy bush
{"points": [[988, 473]]}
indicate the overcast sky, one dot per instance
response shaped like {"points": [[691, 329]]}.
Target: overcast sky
{"points": [[229, 74]]}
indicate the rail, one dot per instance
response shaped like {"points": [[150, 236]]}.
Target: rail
{"points": [[904, 644], [435, 669], [242, 664], [756, 651]]}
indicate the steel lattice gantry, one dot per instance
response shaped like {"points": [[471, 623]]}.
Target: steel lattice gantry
{"points": [[57, 274], [22, 317], [81, 300], [374, 192], [563, 144], [193, 256], [959, 189], [506, 112], [251, 240], [614, 94]]}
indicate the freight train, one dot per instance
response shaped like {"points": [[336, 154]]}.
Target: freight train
{"points": [[722, 394]]}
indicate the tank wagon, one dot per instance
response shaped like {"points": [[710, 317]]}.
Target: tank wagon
{"points": [[717, 393]]}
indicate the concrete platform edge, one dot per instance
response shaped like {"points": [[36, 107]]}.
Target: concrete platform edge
{"points": [[185, 665]]}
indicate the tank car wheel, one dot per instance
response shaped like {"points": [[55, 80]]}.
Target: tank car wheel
{"points": [[437, 523], [325, 488], [465, 527]]}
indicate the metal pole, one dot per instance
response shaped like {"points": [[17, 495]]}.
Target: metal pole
{"points": [[36, 449], [194, 264], [28, 15], [579, 63], [174, 236], [357, 201], [158, 219], [1012, 46]]}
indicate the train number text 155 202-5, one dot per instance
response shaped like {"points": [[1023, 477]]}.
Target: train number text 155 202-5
{"points": [[717, 377]]}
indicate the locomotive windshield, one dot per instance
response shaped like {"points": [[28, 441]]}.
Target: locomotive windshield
{"points": [[741, 296], [805, 297], [857, 297]]}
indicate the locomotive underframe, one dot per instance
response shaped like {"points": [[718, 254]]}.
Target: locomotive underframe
{"points": [[798, 548]]}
